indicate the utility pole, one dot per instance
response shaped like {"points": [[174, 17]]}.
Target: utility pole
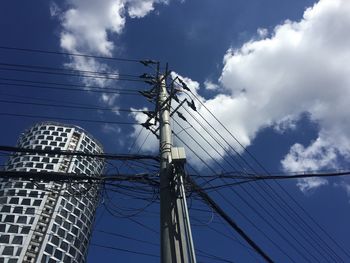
{"points": [[176, 238]]}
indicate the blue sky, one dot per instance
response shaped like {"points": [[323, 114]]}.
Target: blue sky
{"points": [[276, 73]]}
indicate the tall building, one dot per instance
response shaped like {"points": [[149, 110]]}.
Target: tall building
{"points": [[49, 221]]}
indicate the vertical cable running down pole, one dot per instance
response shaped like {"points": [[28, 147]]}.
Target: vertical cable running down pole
{"points": [[191, 249]]}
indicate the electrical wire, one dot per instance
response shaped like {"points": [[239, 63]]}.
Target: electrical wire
{"points": [[236, 208], [285, 191], [34, 116], [68, 70], [70, 74], [79, 153], [256, 211], [286, 207], [32, 50], [125, 250], [69, 106], [224, 149]]}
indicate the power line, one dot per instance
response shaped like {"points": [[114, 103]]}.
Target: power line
{"points": [[68, 84], [66, 53], [125, 250], [70, 74], [127, 237], [276, 200], [87, 89], [234, 206], [67, 119], [75, 153], [68, 70], [69, 106], [257, 201], [249, 179], [229, 220], [284, 190]]}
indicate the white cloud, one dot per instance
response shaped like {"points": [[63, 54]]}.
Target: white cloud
{"points": [[87, 23], [209, 85], [303, 67], [86, 27], [319, 153], [54, 9], [288, 122], [308, 185], [137, 8], [144, 138], [109, 99], [262, 32]]}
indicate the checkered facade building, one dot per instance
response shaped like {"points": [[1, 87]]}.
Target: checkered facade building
{"points": [[49, 221]]}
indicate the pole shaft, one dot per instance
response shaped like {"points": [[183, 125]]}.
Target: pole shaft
{"points": [[176, 239], [165, 159]]}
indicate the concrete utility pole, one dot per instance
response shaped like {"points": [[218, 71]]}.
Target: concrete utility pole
{"points": [[176, 238]]}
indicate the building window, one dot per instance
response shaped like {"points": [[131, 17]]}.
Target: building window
{"points": [[22, 220], [36, 159], [39, 165], [49, 249], [58, 254], [18, 210], [17, 240], [8, 251], [33, 194], [18, 185], [22, 193], [29, 164], [30, 211], [5, 239], [55, 240], [29, 186], [6, 208], [2, 227], [26, 201], [25, 230], [9, 219], [72, 251], [13, 229], [49, 166], [37, 202], [61, 232]]}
